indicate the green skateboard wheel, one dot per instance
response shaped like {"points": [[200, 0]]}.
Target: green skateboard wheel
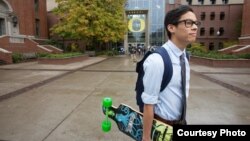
{"points": [[107, 102], [106, 125]]}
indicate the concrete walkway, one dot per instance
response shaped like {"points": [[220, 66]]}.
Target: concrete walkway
{"points": [[16, 78], [63, 102]]}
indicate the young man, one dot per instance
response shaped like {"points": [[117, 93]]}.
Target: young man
{"points": [[181, 25]]}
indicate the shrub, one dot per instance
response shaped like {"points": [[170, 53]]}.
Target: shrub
{"points": [[196, 47], [73, 48], [245, 56], [55, 43], [63, 55], [41, 55], [110, 53], [217, 55], [229, 43], [17, 57]]}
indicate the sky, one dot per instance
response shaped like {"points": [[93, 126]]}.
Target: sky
{"points": [[51, 4]]}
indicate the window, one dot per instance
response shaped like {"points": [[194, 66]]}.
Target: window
{"points": [[37, 27], [222, 15], [202, 31], [36, 5], [171, 1], [225, 1], [211, 46], [203, 16], [211, 31], [201, 2], [2, 26], [221, 30], [212, 16], [202, 44], [213, 1], [221, 45], [189, 2]]}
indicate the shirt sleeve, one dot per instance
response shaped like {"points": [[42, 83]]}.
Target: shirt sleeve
{"points": [[153, 68]]}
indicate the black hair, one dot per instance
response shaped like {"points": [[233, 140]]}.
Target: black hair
{"points": [[173, 16]]}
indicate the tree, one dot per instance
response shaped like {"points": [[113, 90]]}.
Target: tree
{"points": [[91, 20]]}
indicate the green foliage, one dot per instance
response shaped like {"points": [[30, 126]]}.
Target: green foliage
{"points": [[110, 53], [54, 43], [41, 55], [217, 55], [63, 55], [238, 27], [229, 43], [91, 20], [196, 48], [245, 56], [17, 57], [73, 48], [214, 55]]}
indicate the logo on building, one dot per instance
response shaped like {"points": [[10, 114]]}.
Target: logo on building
{"points": [[136, 25]]}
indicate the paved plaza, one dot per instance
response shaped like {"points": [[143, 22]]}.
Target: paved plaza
{"points": [[40, 102]]}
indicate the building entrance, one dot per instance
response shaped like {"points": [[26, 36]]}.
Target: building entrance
{"points": [[2, 26], [137, 35]]}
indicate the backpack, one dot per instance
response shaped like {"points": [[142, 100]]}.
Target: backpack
{"points": [[167, 74]]}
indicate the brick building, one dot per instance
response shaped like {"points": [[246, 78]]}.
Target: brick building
{"points": [[23, 27], [220, 20], [245, 31]]}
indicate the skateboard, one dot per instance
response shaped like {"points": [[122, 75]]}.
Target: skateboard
{"points": [[130, 122]]}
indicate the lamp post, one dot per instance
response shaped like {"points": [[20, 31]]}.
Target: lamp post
{"points": [[218, 33]]}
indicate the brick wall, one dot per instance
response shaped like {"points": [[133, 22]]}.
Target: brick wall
{"points": [[245, 31], [4, 42], [28, 46], [233, 15], [7, 57], [25, 11], [231, 63]]}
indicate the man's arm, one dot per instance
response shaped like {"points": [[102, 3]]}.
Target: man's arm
{"points": [[148, 116]]}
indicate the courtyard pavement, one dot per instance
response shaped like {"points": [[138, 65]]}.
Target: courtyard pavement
{"points": [[40, 102]]}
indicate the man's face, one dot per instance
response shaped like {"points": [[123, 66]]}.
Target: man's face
{"points": [[186, 30]]}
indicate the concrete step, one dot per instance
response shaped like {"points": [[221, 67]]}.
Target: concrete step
{"points": [[242, 50], [2, 62], [229, 50]]}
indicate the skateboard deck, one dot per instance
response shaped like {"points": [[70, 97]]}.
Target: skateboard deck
{"points": [[130, 122]]}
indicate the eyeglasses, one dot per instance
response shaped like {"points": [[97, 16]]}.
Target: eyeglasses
{"points": [[189, 23]]}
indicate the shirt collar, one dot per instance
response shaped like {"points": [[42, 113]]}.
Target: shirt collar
{"points": [[176, 51]]}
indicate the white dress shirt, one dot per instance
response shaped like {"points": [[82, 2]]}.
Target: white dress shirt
{"points": [[168, 103]]}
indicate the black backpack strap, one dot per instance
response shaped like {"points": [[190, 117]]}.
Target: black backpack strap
{"points": [[168, 68], [140, 63], [139, 88]]}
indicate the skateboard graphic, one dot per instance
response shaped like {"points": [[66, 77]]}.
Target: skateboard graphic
{"points": [[130, 122]]}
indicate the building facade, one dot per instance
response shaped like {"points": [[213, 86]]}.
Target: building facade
{"points": [[145, 23], [245, 31], [23, 17], [220, 20], [23, 24]]}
